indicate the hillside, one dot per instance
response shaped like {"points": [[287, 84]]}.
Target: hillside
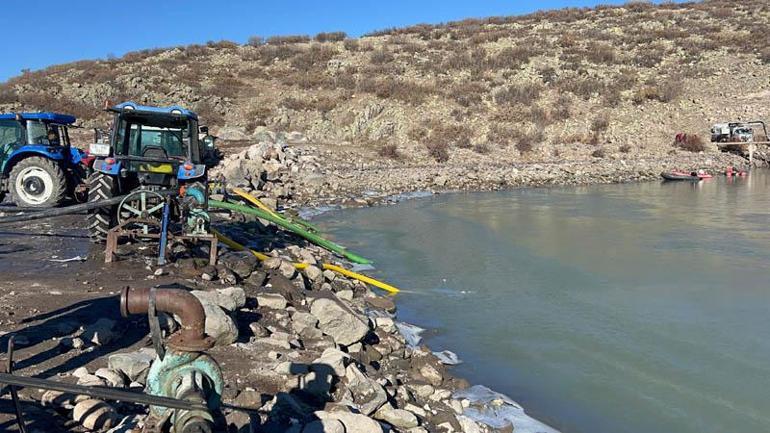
{"points": [[555, 86]]}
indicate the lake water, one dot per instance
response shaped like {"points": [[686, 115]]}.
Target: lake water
{"points": [[622, 308]]}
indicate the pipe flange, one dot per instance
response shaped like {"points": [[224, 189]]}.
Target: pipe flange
{"points": [[178, 342]]}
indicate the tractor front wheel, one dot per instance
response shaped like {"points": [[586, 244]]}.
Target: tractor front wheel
{"points": [[102, 219], [37, 182]]}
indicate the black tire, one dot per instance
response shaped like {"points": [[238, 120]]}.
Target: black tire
{"points": [[102, 219], [37, 182]]}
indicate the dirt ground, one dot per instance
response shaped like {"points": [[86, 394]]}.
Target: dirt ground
{"points": [[42, 300]]}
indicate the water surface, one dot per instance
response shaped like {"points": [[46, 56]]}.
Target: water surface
{"points": [[622, 308]]}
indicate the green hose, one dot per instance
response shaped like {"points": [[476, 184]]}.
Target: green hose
{"points": [[294, 228]]}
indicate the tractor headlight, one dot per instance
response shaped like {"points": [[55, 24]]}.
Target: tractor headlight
{"points": [[99, 149]]}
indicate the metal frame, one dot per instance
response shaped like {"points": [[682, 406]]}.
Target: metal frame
{"points": [[120, 231]]}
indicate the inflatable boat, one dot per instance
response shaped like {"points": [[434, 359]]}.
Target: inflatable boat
{"points": [[678, 175]]}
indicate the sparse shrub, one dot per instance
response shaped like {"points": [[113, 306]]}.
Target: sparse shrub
{"points": [[389, 150], [258, 117], [437, 149], [526, 143], [723, 12], [7, 95], [600, 124], [331, 36], [585, 88], [208, 113], [467, 93], [288, 39], [518, 94], [381, 57], [601, 52], [256, 41], [561, 110], [482, 148], [406, 91], [314, 58], [540, 117], [690, 142], [598, 153], [665, 92], [227, 86], [548, 74], [511, 57], [351, 44], [624, 148], [223, 44]]}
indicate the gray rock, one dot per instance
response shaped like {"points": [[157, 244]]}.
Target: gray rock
{"points": [[314, 274], [272, 263], [271, 300], [399, 418], [353, 422], [133, 364], [242, 263], [230, 298], [113, 378], [95, 414], [325, 426], [287, 269], [219, 325], [368, 395], [339, 322], [91, 380], [334, 359], [431, 374], [102, 332]]}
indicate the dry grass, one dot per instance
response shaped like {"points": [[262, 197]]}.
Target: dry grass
{"points": [[288, 39], [390, 151], [691, 143], [331, 37]]}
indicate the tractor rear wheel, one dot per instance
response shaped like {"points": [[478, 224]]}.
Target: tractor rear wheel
{"points": [[101, 219], [37, 182]]}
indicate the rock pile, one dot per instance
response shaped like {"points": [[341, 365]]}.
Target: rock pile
{"points": [[270, 170], [317, 352]]}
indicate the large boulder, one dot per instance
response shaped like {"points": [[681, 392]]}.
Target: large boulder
{"points": [[219, 325], [368, 395], [339, 322], [353, 422], [398, 418], [132, 364]]}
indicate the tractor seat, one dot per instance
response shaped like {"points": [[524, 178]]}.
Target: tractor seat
{"points": [[154, 152]]}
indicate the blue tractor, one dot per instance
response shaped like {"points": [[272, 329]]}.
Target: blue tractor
{"points": [[150, 150], [39, 167]]}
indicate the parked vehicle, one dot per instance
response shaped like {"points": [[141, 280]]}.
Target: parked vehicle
{"points": [[736, 132], [150, 149], [39, 167]]}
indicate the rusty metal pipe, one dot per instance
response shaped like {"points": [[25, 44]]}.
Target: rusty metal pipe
{"points": [[179, 302]]}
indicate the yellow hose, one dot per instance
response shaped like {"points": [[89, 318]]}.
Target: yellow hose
{"points": [[255, 201], [340, 270]]}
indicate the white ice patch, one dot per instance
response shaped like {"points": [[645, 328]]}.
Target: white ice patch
{"points": [[447, 357], [499, 411], [411, 333]]}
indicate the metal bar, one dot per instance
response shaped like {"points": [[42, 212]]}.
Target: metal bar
{"points": [[163, 234], [100, 392], [14, 393]]}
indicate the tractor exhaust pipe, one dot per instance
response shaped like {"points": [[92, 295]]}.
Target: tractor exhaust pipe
{"points": [[181, 303]]}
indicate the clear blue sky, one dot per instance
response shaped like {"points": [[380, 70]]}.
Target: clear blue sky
{"points": [[39, 33]]}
